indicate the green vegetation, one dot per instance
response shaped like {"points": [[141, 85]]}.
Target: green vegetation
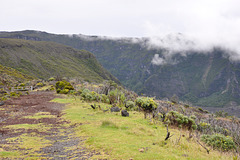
{"points": [[46, 59], [194, 75], [63, 87], [51, 79], [133, 137], [10, 77], [181, 121], [147, 104], [130, 105], [218, 141]]}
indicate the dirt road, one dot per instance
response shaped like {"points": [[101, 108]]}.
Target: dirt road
{"points": [[19, 115]]}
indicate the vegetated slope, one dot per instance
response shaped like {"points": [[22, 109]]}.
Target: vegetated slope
{"points": [[47, 59], [11, 76], [205, 79]]}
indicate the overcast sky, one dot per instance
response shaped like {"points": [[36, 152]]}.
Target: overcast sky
{"points": [[210, 21]]}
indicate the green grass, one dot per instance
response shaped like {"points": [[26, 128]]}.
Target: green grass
{"points": [[5, 154], [110, 134], [40, 127], [122, 137], [29, 141], [27, 145]]}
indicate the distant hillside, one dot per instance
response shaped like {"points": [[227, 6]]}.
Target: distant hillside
{"points": [[205, 79], [47, 59]]}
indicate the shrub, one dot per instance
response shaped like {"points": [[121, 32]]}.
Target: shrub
{"points": [[130, 105], [104, 98], [122, 98], [39, 84], [13, 94], [219, 141], [64, 91], [51, 79], [221, 114], [113, 96], [58, 90], [86, 95], [64, 87], [52, 88], [178, 119], [200, 109], [146, 103], [22, 85]]}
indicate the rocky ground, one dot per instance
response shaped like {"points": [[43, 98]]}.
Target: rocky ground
{"points": [[62, 143]]}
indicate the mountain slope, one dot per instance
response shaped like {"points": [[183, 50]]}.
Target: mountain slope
{"points": [[203, 78], [47, 59], [11, 76]]}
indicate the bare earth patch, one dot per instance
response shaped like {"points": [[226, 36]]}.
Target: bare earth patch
{"points": [[34, 116]]}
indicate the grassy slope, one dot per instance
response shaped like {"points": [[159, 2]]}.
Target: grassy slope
{"points": [[47, 59], [11, 76], [126, 135]]}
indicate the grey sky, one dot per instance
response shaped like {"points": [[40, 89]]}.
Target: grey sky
{"points": [[207, 21]]}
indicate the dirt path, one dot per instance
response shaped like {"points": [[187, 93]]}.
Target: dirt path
{"points": [[61, 143]]}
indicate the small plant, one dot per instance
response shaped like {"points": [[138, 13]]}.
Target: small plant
{"points": [[13, 94], [51, 79], [58, 90], [39, 84], [22, 85], [219, 141], [52, 88], [200, 109]]}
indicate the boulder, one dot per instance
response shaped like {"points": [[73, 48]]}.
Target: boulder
{"points": [[115, 109], [1, 103], [125, 113]]}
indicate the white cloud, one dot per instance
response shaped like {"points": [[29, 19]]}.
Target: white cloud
{"points": [[206, 23]]}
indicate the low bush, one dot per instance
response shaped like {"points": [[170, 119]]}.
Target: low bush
{"points": [[219, 141], [63, 87], [51, 79], [64, 91], [146, 103], [40, 84], [104, 98], [87, 95], [178, 119], [22, 85], [130, 105], [13, 94]]}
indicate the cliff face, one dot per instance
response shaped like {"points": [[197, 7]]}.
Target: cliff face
{"points": [[205, 79]]}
